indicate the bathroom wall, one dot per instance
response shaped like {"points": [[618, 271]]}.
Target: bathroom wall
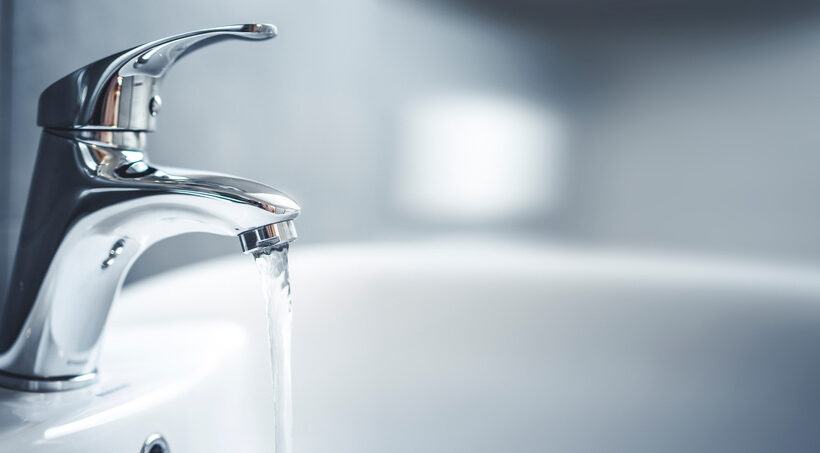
{"points": [[643, 127], [704, 139], [5, 125]]}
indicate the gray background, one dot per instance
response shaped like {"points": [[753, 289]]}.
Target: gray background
{"points": [[691, 125]]}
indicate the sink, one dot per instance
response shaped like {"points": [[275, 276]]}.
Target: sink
{"points": [[450, 345], [192, 378]]}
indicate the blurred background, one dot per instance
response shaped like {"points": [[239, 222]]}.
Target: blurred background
{"points": [[644, 124], [622, 126]]}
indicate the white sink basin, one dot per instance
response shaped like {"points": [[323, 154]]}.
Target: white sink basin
{"points": [[449, 346]]}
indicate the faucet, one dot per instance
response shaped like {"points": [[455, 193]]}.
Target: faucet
{"points": [[96, 203]]}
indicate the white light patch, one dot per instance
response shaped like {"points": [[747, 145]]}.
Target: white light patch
{"points": [[478, 158]]}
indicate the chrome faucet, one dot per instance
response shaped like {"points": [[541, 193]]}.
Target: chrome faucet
{"points": [[96, 203]]}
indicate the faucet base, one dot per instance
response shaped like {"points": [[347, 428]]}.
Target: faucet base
{"points": [[49, 384]]}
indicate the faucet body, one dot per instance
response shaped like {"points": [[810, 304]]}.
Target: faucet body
{"points": [[95, 204]]}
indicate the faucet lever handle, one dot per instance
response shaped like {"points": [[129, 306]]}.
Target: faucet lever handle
{"points": [[121, 92]]}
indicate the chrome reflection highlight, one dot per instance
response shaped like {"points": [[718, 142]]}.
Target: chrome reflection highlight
{"points": [[116, 250]]}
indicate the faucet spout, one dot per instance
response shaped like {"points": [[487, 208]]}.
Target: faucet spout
{"points": [[95, 205]]}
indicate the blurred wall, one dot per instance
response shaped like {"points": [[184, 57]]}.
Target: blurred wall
{"points": [[703, 138], [678, 131], [6, 225]]}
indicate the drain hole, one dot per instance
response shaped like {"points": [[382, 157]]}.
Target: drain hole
{"points": [[155, 443]]}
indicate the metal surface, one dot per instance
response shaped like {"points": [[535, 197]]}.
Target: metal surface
{"points": [[49, 384], [120, 92], [95, 205], [155, 443], [268, 236]]}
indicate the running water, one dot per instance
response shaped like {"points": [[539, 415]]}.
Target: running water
{"points": [[273, 266]]}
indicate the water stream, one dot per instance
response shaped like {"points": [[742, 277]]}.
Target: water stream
{"points": [[273, 266]]}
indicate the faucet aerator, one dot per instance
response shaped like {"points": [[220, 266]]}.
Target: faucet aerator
{"points": [[272, 235]]}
